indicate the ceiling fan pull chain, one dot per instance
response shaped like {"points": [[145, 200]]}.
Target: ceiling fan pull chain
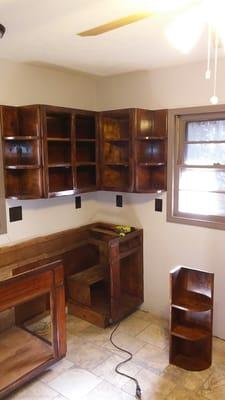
{"points": [[214, 99], [208, 70]]}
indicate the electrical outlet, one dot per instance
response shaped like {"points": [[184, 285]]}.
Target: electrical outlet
{"points": [[78, 201], [119, 200], [158, 205], [15, 214]]}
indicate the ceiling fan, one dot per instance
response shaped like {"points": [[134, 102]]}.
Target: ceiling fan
{"points": [[153, 7]]}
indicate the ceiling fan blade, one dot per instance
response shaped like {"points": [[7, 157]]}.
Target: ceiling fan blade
{"points": [[116, 24]]}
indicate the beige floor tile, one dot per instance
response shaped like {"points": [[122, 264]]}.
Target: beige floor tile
{"points": [[75, 325], [95, 335], [214, 387], [180, 393], [153, 358], [87, 355], [36, 390], [106, 371], [155, 334], [56, 370], [152, 386], [130, 343], [74, 342], [74, 383], [147, 316], [106, 391], [132, 326], [219, 345]]}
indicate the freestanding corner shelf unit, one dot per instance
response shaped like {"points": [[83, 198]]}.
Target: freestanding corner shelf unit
{"points": [[191, 318]]}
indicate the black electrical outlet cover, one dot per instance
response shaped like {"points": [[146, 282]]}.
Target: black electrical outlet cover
{"points": [[15, 214], [78, 201], [119, 200], [158, 205]]}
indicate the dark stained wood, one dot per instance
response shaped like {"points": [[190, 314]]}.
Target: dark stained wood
{"points": [[118, 294], [150, 151], [116, 135], [54, 151], [24, 355], [86, 125], [79, 284], [21, 141], [191, 318], [20, 354]]}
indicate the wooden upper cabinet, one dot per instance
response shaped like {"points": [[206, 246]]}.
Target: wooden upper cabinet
{"points": [[54, 151], [87, 151], [150, 151], [22, 152], [58, 150], [133, 150], [116, 131]]}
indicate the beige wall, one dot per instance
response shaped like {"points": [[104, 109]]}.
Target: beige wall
{"points": [[184, 85], [165, 244], [25, 84]]}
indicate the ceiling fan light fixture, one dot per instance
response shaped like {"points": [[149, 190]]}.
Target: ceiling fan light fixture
{"points": [[179, 33], [164, 6]]}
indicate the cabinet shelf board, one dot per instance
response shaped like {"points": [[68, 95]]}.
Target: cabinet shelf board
{"points": [[151, 138], [86, 140], [191, 333], [59, 165], [117, 140], [151, 164], [85, 163], [55, 139], [116, 164], [17, 138], [191, 301], [21, 352], [35, 166]]}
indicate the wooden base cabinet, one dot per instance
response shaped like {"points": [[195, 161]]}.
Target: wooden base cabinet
{"points": [[24, 353], [191, 318], [111, 285]]}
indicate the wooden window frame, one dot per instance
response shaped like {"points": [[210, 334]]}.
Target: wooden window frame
{"points": [[175, 152], [3, 222]]}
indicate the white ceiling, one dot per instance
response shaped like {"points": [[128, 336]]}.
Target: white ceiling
{"points": [[44, 31]]}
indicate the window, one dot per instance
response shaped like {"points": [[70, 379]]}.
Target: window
{"points": [[196, 181], [2, 198]]}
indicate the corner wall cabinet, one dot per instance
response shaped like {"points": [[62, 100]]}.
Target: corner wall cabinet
{"points": [[133, 150], [191, 318], [54, 151]]}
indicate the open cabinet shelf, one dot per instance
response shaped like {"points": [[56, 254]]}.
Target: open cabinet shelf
{"points": [[191, 318], [24, 183], [116, 143], [117, 150], [86, 154], [20, 346], [108, 284], [22, 152], [150, 147]]}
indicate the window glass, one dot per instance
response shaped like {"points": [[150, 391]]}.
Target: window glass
{"points": [[205, 130], [205, 154], [202, 203]]}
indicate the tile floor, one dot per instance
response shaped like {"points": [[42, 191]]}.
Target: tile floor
{"points": [[87, 372]]}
